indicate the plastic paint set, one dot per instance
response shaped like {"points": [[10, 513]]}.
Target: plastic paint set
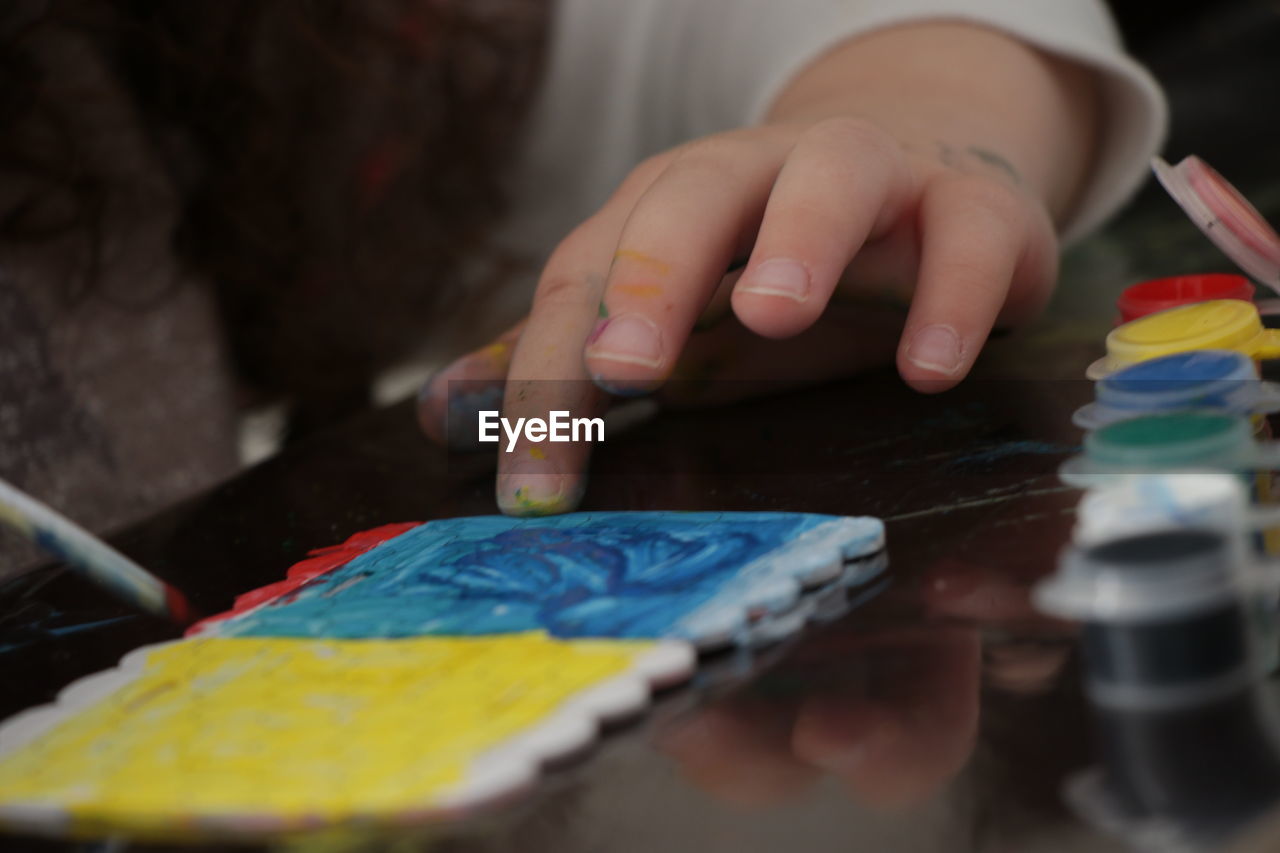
{"points": [[1174, 567]]}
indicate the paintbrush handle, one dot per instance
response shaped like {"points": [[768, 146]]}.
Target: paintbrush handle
{"points": [[89, 555]]}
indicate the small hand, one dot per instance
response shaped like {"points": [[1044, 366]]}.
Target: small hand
{"points": [[824, 212]]}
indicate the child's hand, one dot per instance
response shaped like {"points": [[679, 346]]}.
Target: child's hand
{"points": [[822, 208], [619, 298]]}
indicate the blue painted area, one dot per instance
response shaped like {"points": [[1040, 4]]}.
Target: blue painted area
{"points": [[38, 631], [619, 575], [997, 452], [468, 401], [1203, 379]]}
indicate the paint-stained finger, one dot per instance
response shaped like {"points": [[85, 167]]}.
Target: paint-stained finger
{"points": [[547, 373], [544, 477], [673, 251], [450, 402]]}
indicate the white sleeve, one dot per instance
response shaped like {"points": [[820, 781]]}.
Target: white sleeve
{"points": [[629, 78]]}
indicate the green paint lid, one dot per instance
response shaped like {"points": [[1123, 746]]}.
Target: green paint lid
{"points": [[1179, 441]]}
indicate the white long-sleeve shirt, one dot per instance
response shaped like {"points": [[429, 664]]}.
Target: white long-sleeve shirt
{"points": [[627, 79]]}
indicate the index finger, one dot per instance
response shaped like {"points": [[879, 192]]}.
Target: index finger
{"points": [[538, 476], [547, 373]]}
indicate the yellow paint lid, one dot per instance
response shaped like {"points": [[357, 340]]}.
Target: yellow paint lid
{"points": [[1219, 324]]}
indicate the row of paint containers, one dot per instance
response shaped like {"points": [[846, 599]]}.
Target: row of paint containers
{"points": [[1181, 385], [1174, 566], [1178, 438], [1177, 435], [1174, 574]]}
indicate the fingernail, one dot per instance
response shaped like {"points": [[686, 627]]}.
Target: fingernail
{"points": [[465, 405], [778, 277], [449, 408], [530, 488], [628, 338], [450, 401], [936, 348]]}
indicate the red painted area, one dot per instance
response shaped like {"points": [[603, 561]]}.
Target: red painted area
{"points": [[321, 561], [179, 610]]}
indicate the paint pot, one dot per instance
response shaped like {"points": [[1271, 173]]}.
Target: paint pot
{"points": [[1186, 731], [1161, 294], [1179, 442], [1205, 380], [1143, 503], [1170, 443], [1218, 324]]}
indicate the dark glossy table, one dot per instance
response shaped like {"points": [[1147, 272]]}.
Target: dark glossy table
{"points": [[947, 712]]}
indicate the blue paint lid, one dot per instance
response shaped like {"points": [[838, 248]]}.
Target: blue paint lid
{"points": [[1205, 380]]}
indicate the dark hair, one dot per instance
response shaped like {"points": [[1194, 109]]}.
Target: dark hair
{"points": [[335, 160]]}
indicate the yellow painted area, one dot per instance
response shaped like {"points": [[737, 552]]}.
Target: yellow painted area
{"points": [[309, 730], [657, 266], [13, 518], [537, 452], [1218, 324], [523, 503], [643, 291], [1265, 486], [497, 352]]}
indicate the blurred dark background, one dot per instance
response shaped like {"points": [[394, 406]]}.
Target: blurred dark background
{"points": [[1218, 61]]}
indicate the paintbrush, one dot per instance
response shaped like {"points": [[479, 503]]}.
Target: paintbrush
{"points": [[90, 556]]}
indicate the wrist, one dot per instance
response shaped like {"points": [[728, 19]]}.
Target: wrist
{"points": [[960, 97]]}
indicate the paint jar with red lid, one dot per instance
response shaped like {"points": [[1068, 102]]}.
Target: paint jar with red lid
{"points": [[1159, 294]]}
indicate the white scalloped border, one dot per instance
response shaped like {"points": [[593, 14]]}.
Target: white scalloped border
{"points": [[505, 771], [771, 586], [763, 604], [857, 584]]}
